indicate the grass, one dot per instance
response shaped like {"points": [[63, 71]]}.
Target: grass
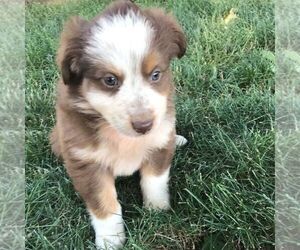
{"points": [[222, 182]]}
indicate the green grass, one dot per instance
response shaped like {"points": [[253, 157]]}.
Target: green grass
{"points": [[222, 182]]}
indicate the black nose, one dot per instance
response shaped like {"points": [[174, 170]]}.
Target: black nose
{"points": [[142, 127]]}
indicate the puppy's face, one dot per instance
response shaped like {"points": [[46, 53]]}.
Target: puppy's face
{"points": [[121, 65]]}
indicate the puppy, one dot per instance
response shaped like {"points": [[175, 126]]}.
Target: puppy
{"points": [[114, 111]]}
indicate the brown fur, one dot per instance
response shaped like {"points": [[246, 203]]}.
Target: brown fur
{"points": [[121, 7], [70, 54], [78, 127], [150, 63], [96, 72], [170, 39], [160, 160]]}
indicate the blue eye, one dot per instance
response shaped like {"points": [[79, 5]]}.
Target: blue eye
{"points": [[110, 80], [155, 76]]}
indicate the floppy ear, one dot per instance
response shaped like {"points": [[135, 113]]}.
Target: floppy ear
{"points": [[169, 35], [70, 52]]}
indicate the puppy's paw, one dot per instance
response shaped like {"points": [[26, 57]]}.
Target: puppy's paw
{"points": [[109, 231], [155, 191], [180, 140], [110, 242], [158, 204]]}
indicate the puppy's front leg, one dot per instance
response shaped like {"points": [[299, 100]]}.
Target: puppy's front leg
{"points": [[107, 218], [155, 188], [97, 188]]}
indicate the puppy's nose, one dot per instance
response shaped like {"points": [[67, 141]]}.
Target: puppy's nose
{"points": [[142, 127]]}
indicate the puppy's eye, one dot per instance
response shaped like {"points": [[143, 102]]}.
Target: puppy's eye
{"points": [[110, 80], [155, 76]]}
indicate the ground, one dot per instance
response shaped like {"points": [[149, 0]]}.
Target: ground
{"points": [[222, 181]]}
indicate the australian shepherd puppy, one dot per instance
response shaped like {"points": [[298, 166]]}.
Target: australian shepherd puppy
{"points": [[115, 112]]}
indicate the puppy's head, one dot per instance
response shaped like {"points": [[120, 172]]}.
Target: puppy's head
{"points": [[119, 63]]}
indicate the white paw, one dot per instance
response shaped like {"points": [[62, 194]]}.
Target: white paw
{"points": [[109, 232], [110, 242], [158, 204], [180, 140], [155, 191]]}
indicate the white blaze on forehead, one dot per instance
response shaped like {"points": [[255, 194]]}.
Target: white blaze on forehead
{"points": [[122, 40]]}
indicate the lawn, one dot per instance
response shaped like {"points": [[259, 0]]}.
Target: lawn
{"points": [[222, 181]]}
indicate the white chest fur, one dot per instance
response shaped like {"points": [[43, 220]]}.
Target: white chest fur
{"points": [[122, 154]]}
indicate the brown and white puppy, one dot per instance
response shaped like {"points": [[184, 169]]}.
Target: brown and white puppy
{"points": [[115, 111]]}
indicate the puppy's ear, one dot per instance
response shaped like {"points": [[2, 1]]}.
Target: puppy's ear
{"points": [[169, 35], [70, 52]]}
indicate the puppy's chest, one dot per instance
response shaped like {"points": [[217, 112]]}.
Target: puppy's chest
{"points": [[123, 155], [126, 157]]}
